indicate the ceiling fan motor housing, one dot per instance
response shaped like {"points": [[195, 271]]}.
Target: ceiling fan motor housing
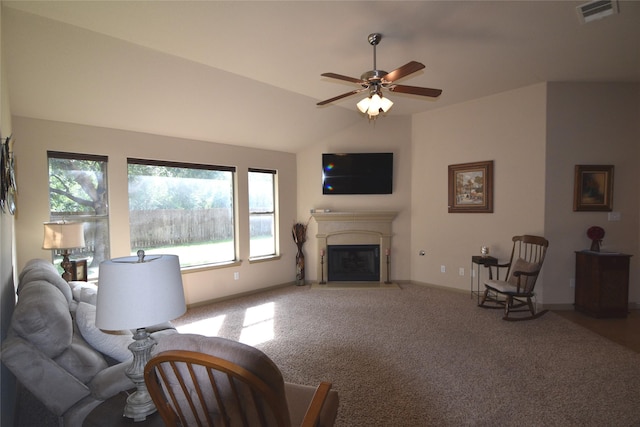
{"points": [[373, 76]]}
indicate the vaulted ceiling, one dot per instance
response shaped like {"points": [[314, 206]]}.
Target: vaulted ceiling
{"points": [[248, 73]]}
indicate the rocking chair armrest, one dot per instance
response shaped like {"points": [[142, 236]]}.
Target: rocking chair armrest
{"points": [[497, 267], [518, 274], [315, 407], [526, 273]]}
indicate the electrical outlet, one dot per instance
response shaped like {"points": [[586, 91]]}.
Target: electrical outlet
{"points": [[236, 275], [461, 271], [443, 269]]}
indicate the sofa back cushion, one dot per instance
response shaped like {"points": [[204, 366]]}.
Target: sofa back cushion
{"points": [[40, 269], [42, 317]]}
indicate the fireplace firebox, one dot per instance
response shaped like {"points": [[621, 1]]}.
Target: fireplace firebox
{"points": [[352, 263]]}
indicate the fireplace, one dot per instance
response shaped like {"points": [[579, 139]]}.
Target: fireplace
{"points": [[350, 232], [352, 263]]}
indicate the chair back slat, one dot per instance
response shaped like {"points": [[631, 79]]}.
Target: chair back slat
{"points": [[204, 390], [528, 252]]}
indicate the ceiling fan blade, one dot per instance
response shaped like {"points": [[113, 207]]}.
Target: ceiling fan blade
{"points": [[415, 90], [341, 77], [405, 70], [335, 98]]}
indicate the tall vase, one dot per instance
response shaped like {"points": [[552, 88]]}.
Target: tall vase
{"points": [[300, 266]]}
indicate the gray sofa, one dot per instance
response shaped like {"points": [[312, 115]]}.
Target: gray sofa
{"points": [[55, 350]]}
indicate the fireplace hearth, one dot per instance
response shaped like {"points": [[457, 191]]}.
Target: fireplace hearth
{"points": [[353, 263]]}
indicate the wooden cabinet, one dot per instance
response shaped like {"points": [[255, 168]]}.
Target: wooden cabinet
{"points": [[602, 284]]}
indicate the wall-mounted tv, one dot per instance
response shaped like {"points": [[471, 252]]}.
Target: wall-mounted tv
{"points": [[357, 173]]}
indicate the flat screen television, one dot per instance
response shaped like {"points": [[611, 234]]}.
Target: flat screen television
{"points": [[357, 173]]}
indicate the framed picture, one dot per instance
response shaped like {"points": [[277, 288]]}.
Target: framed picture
{"points": [[471, 187], [593, 188], [79, 270]]}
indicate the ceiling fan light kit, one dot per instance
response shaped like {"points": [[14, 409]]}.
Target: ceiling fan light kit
{"points": [[375, 80]]}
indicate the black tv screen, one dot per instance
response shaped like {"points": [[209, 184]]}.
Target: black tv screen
{"points": [[357, 173]]}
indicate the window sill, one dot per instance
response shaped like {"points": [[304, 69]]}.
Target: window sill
{"points": [[264, 259], [206, 267]]}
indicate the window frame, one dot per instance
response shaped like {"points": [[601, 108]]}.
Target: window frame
{"points": [[198, 166], [92, 273], [273, 213]]}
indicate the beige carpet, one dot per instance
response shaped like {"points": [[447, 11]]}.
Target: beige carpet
{"points": [[424, 356]]}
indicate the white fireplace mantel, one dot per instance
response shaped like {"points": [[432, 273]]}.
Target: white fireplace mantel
{"points": [[357, 216], [354, 228]]}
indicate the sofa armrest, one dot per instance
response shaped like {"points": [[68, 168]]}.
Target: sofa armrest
{"points": [[43, 377], [111, 381]]}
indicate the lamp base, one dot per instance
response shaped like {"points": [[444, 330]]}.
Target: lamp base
{"points": [[66, 266], [139, 403], [139, 406]]}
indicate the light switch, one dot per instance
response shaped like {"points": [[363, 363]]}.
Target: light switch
{"points": [[614, 216]]}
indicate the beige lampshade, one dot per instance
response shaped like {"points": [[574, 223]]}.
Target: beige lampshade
{"points": [[63, 235], [133, 295]]}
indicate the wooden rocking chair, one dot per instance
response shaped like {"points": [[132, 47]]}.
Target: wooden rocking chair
{"points": [[516, 290]]}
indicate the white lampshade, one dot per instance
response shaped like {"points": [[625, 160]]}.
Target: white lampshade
{"points": [[363, 105], [385, 104], [63, 235], [133, 295], [373, 104]]}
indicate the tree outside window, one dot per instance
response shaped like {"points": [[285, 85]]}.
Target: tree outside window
{"points": [[78, 193]]}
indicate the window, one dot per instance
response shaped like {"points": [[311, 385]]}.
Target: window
{"points": [[78, 193], [182, 209], [262, 215]]}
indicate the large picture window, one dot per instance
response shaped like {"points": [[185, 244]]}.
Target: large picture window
{"points": [[262, 213], [78, 193], [182, 209]]}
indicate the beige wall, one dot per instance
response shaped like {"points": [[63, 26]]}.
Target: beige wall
{"points": [[38, 136], [387, 134], [535, 135], [508, 128], [591, 123]]}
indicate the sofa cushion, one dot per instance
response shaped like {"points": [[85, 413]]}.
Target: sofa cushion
{"points": [[42, 317], [40, 269], [114, 344], [81, 361], [84, 292]]}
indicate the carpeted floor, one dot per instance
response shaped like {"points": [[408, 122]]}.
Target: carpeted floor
{"points": [[420, 356]]}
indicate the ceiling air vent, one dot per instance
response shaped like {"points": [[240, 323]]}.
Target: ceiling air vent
{"points": [[597, 9]]}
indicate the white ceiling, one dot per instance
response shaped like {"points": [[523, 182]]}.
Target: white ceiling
{"points": [[248, 73]]}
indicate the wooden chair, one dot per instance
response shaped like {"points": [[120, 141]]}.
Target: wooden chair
{"points": [[516, 289], [212, 381]]}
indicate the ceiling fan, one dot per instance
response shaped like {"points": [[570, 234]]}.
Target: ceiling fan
{"points": [[375, 80]]}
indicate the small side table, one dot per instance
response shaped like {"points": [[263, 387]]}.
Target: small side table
{"points": [[109, 414], [479, 261]]}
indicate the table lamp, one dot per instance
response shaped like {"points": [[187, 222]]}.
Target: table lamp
{"points": [[135, 293], [63, 235]]}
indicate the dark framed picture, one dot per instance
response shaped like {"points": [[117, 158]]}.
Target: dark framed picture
{"points": [[79, 270], [593, 188], [471, 187]]}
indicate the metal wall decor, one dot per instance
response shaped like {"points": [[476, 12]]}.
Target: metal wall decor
{"points": [[8, 188]]}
